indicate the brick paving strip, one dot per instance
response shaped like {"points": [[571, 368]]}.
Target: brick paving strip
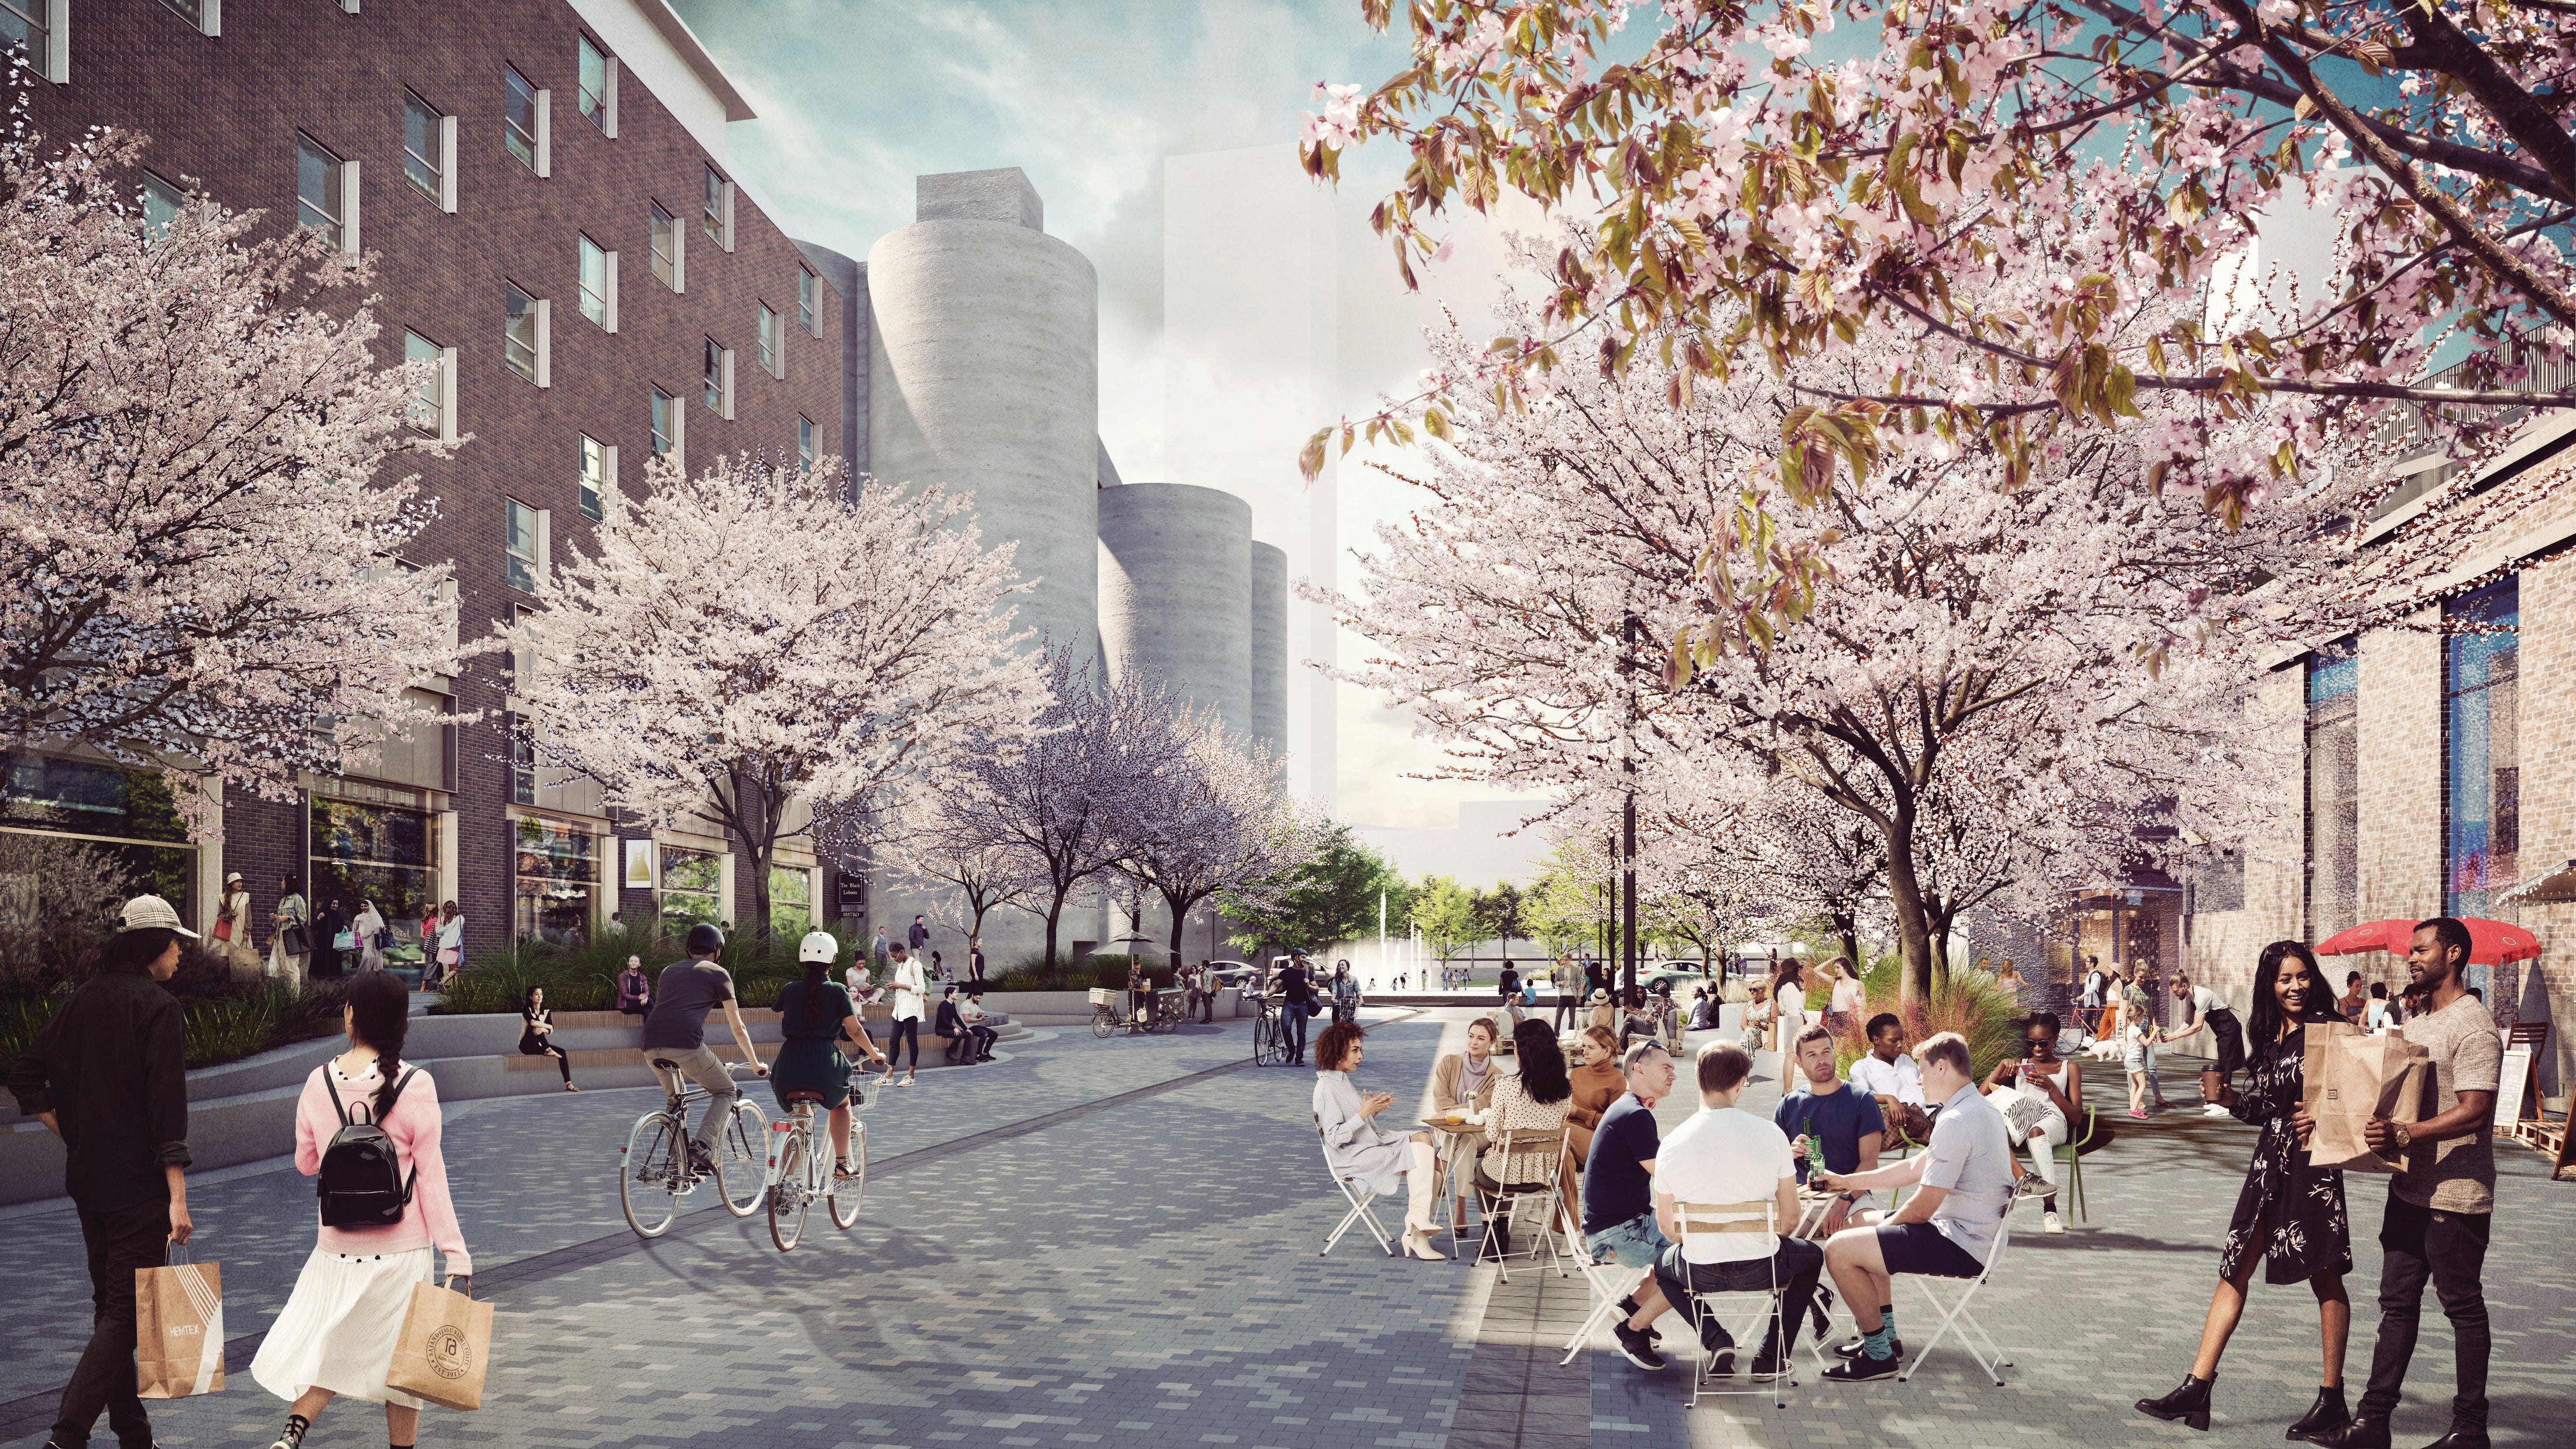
{"points": [[34, 1413]]}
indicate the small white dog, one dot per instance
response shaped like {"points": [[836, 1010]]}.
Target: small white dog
{"points": [[2106, 1049]]}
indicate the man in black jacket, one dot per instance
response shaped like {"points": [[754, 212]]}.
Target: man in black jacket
{"points": [[1297, 1003], [108, 1075]]}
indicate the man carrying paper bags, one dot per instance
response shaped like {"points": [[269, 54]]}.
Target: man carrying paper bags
{"points": [[108, 1075], [2443, 1194]]}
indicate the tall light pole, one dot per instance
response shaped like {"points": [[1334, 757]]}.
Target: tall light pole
{"points": [[1628, 846]]}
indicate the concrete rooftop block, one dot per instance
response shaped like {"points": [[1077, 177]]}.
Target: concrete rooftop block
{"points": [[998, 195]]}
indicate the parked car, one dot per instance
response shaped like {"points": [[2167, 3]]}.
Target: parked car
{"points": [[1230, 973]]}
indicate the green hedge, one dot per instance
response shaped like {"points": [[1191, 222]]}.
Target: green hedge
{"points": [[1081, 975], [222, 1025], [584, 977]]}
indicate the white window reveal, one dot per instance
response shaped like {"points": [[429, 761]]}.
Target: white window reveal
{"points": [[667, 257], [525, 121], [525, 339], [326, 193], [524, 546], [719, 379], [598, 475], [599, 284], [773, 343], [598, 82]]}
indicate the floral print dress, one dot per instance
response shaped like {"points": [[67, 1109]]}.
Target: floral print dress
{"points": [[2287, 1211]]}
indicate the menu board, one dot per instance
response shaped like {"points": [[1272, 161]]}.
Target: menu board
{"points": [[2510, 1085]]}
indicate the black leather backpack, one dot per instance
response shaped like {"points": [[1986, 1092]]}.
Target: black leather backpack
{"points": [[361, 1183]]}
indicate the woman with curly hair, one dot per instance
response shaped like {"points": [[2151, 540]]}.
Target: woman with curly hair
{"points": [[1357, 1148]]}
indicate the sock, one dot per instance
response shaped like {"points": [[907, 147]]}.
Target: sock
{"points": [[1877, 1343], [1887, 1318]]}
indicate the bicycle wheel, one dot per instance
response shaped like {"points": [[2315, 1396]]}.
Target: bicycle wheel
{"points": [[648, 1168], [848, 1194], [1102, 1023], [742, 1159], [787, 1200], [1261, 1033]]}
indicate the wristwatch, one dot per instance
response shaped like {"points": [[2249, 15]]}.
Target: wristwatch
{"points": [[2398, 1131]]}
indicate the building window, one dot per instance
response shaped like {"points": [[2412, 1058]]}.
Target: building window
{"points": [[525, 546], [523, 116], [791, 901], [599, 284], [597, 474], [2482, 758], [28, 26], [805, 443], [719, 379], [718, 222], [666, 247], [318, 189], [809, 302], [422, 164], [598, 84], [523, 334], [557, 870], [666, 424], [692, 888], [77, 838], [433, 407], [161, 200], [2334, 789], [523, 760], [203, 16], [772, 350], [385, 852]]}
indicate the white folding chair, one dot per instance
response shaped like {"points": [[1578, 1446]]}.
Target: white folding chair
{"points": [[1600, 1280], [1701, 1220], [1507, 1196], [1957, 1312], [1359, 1199]]}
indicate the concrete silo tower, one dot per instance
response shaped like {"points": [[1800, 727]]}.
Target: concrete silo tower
{"points": [[984, 375], [1270, 647], [1176, 592]]}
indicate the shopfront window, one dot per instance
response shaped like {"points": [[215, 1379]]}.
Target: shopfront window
{"points": [[2334, 789], [692, 888], [2482, 776], [557, 881], [382, 849], [77, 839], [791, 901]]}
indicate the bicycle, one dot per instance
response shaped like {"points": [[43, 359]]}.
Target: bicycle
{"points": [[798, 1173], [653, 1171]]}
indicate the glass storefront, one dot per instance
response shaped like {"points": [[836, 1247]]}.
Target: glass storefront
{"points": [[791, 901], [557, 881], [77, 839], [379, 844], [692, 888]]}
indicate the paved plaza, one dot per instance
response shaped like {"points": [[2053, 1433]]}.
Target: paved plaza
{"points": [[1114, 1243]]}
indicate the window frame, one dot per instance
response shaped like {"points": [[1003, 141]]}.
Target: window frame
{"points": [[158, 188], [593, 486], [49, 59], [717, 392], [599, 108], [672, 270], [805, 439], [333, 186], [441, 188], [809, 301], [668, 442], [605, 298], [516, 565], [539, 134], [716, 219], [206, 17], [2480, 606], [772, 339], [539, 341]]}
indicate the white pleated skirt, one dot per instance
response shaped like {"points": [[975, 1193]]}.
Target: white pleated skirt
{"points": [[339, 1327]]}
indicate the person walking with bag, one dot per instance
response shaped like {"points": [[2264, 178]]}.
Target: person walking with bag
{"points": [[232, 928], [451, 942], [2442, 1203], [380, 1217], [2289, 1216], [108, 1075], [290, 943], [369, 926]]}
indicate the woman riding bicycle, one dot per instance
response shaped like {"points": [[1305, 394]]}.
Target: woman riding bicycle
{"points": [[813, 1014]]}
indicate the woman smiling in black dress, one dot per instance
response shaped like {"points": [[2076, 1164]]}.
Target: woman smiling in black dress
{"points": [[2288, 1214]]}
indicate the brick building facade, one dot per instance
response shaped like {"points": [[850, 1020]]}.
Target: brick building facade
{"points": [[545, 190]]}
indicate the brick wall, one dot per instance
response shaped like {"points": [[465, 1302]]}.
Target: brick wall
{"points": [[225, 112], [2399, 749]]}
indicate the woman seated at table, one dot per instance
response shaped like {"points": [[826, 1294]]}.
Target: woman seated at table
{"points": [[1464, 1083], [1534, 1102], [1358, 1148], [1597, 1082]]}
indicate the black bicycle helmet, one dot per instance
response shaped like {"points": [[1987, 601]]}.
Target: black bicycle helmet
{"points": [[705, 939]]}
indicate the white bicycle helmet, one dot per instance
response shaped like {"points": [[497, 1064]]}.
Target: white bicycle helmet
{"points": [[818, 946]]}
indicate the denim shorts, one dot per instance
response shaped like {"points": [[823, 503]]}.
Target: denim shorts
{"points": [[1635, 1243]]}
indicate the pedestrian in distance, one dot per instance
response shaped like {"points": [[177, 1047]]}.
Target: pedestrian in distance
{"points": [[537, 1033], [373, 936], [1297, 996], [911, 997], [634, 989], [2289, 1217], [329, 956], [917, 935], [337, 1334], [975, 960], [232, 928], [2441, 1203], [290, 926], [451, 942], [2204, 1012], [108, 1075]]}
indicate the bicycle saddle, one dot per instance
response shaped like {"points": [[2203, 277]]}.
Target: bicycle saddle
{"points": [[665, 1063], [804, 1096]]}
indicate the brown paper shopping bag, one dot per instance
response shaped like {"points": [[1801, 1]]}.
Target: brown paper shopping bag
{"points": [[446, 1344], [179, 1329], [2353, 1078]]}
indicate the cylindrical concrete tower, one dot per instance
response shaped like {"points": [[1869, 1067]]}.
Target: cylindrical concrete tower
{"points": [[984, 375], [1270, 647], [1176, 592]]}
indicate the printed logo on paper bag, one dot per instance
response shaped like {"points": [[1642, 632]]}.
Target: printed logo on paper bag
{"points": [[450, 1356]]}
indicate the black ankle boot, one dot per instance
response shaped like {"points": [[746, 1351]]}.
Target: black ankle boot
{"points": [[2323, 1417], [2189, 1403]]}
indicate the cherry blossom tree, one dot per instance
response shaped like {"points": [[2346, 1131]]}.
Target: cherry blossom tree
{"points": [[1063, 808], [735, 651], [202, 523], [2127, 621], [1217, 823], [944, 850]]}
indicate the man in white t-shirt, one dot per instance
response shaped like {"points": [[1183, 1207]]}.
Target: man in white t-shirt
{"points": [[1725, 1155], [1887, 1073]]}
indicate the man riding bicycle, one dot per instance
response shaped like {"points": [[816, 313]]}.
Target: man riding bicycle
{"points": [[813, 1015], [676, 1032]]}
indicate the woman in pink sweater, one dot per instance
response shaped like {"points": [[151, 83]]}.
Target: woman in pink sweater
{"points": [[337, 1332]]}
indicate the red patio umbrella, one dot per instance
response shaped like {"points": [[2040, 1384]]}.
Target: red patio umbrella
{"points": [[2491, 943]]}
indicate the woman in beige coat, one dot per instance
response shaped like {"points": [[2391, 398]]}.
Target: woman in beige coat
{"points": [[1465, 1083]]}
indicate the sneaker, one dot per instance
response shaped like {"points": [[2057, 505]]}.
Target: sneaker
{"points": [[2031, 1184], [2215, 1110], [1861, 1368], [701, 1161], [1856, 1345], [2137, 1113], [2050, 1222], [1628, 1306], [1770, 1363], [1634, 1346]]}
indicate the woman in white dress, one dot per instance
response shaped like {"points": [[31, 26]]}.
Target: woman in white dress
{"points": [[1788, 993], [368, 925], [336, 1335], [904, 979], [1356, 1147]]}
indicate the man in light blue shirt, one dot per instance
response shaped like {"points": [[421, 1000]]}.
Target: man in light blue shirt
{"points": [[1964, 1186]]}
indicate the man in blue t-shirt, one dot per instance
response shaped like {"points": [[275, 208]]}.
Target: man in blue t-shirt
{"points": [[1846, 1123], [1619, 1197]]}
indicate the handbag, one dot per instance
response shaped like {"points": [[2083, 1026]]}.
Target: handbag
{"points": [[223, 928], [445, 1346], [345, 941], [179, 1329], [294, 940]]}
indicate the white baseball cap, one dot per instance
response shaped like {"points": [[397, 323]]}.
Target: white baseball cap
{"points": [[146, 912]]}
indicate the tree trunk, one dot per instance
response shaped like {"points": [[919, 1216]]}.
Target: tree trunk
{"points": [[1055, 912], [1905, 894]]}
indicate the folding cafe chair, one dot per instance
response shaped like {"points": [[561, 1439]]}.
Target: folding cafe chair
{"points": [[1506, 1197], [1700, 1220], [1956, 1312], [1359, 1199]]}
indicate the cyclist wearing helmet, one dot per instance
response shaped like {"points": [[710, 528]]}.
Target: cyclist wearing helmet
{"points": [[813, 1014], [676, 1032]]}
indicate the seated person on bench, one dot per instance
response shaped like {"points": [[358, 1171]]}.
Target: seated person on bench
{"points": [[973, 1015]]}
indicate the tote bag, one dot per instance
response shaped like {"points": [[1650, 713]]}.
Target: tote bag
{"points": [[446, 1345], [179, 1329]]}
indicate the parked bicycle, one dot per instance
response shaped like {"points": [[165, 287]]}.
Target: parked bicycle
{"points": [[801, 1167], [1269, 1032], [653, 1171]]}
